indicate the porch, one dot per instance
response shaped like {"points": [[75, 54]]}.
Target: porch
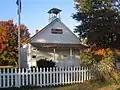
{"points": [[67, 54]]}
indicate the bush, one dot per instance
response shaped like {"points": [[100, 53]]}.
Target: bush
{"points": [[44, 63]]}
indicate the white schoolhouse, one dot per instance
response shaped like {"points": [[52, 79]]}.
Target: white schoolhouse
{"points": [[54, 42]]}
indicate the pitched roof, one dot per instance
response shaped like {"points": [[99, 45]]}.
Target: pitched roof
{"points": [[57, 19], [54, 44], [42, 29]]}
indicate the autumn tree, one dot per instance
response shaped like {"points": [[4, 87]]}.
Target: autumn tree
{"points": [[9, 42], [100, 24], [24, 34]]}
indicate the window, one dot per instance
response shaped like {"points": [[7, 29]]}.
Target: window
{"points": [[33, 56], [34, 49], [56, 31]]}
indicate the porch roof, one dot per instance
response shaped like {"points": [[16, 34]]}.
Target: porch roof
{"points": [[58, 45]]}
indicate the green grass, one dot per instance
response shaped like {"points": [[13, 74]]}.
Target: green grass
{"points": [[84, 86]]}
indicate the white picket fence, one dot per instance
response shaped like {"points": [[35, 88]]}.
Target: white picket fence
{"points": [[43, 76]]}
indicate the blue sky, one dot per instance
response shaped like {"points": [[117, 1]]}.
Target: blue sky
{"points": [[34, 12]]}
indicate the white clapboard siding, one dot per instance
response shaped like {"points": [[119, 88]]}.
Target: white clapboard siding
{"points": [[43, 76]]}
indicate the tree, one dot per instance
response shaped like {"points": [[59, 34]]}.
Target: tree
{"points": [[100, 24], [9, 42], [24, 34]]}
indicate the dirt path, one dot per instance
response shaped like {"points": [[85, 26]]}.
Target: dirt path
{"points": [[111, 87]]}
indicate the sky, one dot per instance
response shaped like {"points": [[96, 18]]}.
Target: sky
{"points": [[34, 12]]}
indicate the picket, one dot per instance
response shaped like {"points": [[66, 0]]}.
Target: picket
{"points": [[43, 76]]}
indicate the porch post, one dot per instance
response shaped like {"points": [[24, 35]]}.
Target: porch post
{"points": [[70, 53], [54, 53], [79, 52]]}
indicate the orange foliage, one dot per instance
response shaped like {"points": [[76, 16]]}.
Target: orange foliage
{"points": [[100, 52], [9, 41], [103, 52], [7, 27]]}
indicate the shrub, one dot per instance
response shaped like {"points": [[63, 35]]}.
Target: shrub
{"points": [[45, 63], [102, 65]]}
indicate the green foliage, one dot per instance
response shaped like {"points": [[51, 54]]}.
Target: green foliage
{"points": [[107, 62], [101, 63], [99, 22], [45, 63], [86, 58]]}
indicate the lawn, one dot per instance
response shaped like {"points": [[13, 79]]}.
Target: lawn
{"points": [[84, 86]]}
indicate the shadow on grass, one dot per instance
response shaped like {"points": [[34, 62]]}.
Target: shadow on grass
{"points": [[38, 87], [80, 86], [118, 88]]}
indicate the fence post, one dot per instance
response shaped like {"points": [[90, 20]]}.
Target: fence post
{"points": [[27, 76], [71, 75], [65, 70], [23, 80], [34, 76], [11, 76], [76, 74], [79, 74], [87, 73], [68, 72], [44, 77], [54, 76], [82, 73], [57, 75], [30, 76], [7, 78], [19, 77], [16, 82], [41, 77], [63, 77], [37, 72], [4, 77], [60, 79], [50, 76], [47, 72]]}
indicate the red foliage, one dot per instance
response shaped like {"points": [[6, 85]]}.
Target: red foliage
{"points": [[3, 46], [9, 31], [1, 39], [8, 39]]}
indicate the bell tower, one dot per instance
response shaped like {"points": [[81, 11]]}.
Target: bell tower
{"points": [[53, 14]]}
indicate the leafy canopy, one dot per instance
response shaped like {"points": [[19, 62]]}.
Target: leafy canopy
{"points": [[9, 41], [99, 22]]}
